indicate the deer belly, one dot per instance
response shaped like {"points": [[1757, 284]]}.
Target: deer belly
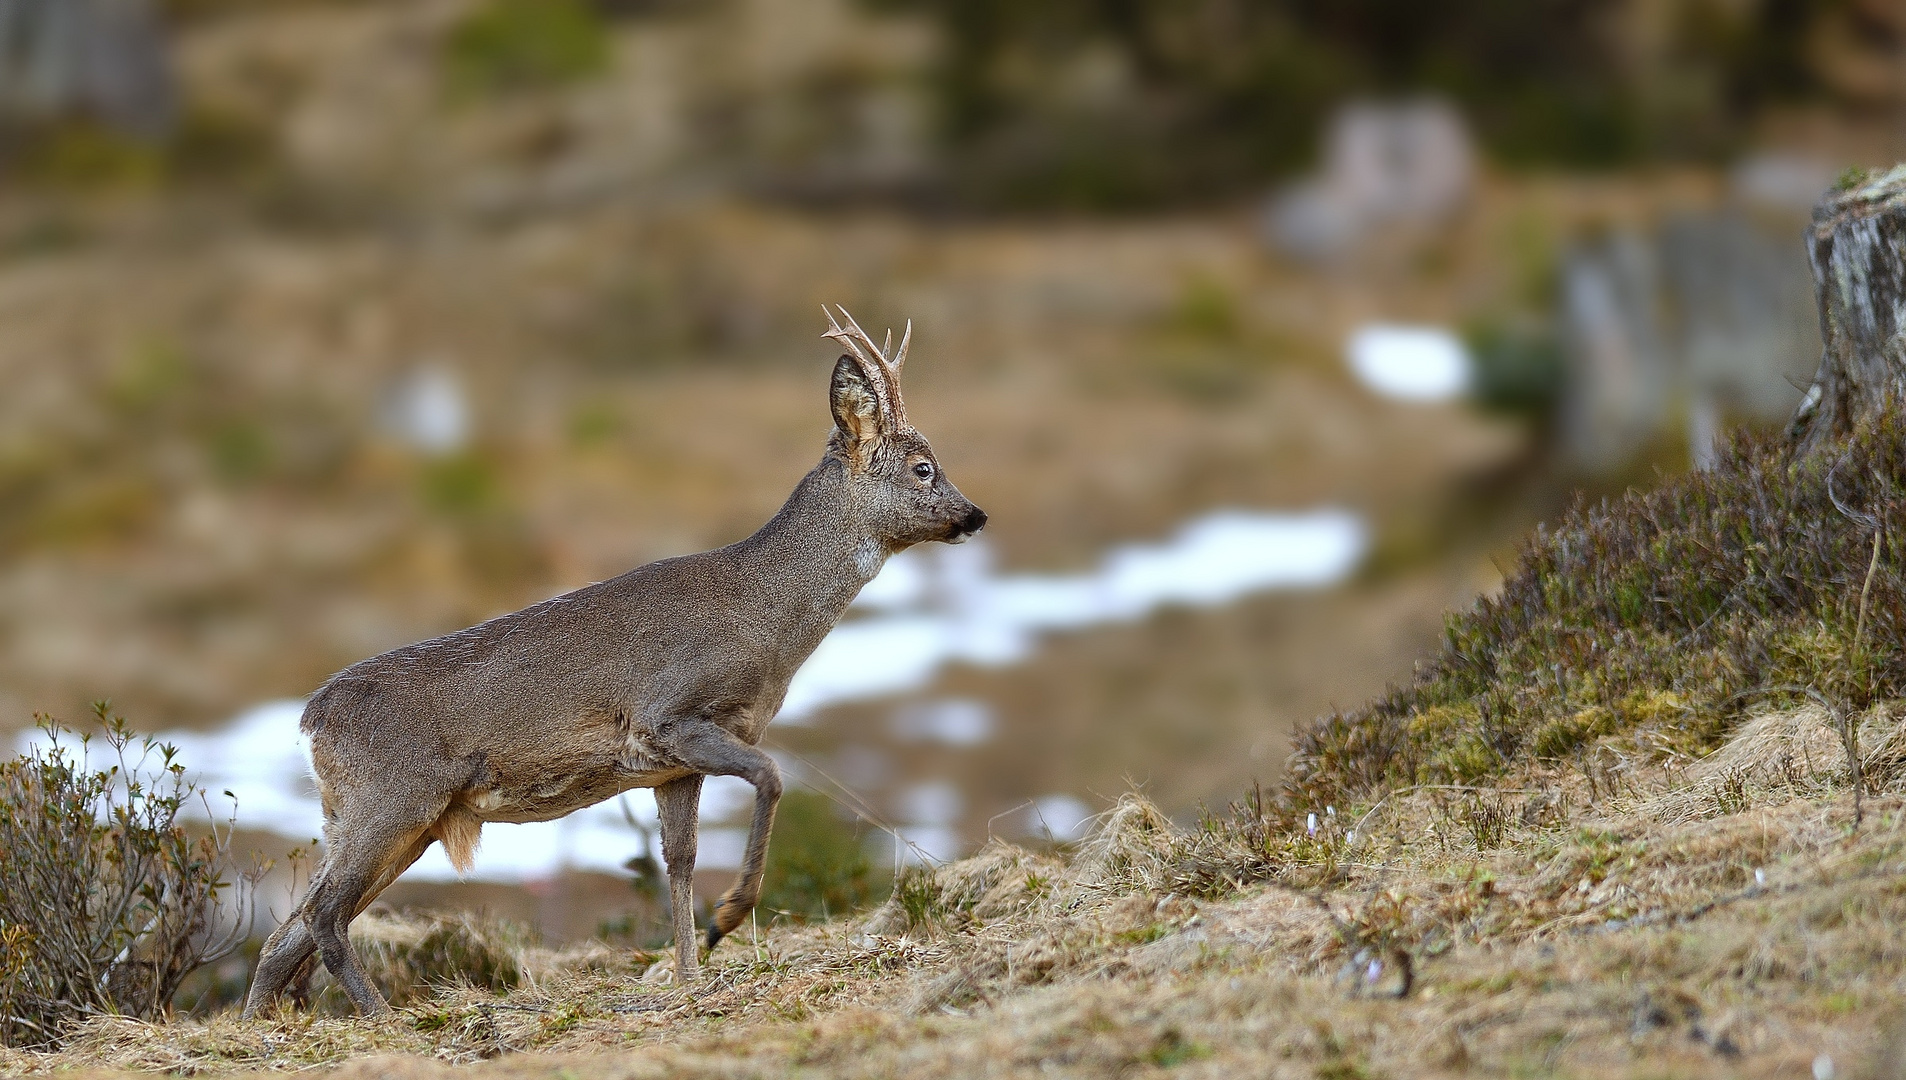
{"points": [[545, 799]]}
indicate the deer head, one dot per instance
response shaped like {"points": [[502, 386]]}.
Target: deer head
{"points": [[897, 483]]}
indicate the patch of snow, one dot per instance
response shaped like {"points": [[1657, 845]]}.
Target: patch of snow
{"points": [[956, 608], [1411, 363]]}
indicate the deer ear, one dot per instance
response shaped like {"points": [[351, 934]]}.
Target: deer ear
{"points": [[856, 406]]}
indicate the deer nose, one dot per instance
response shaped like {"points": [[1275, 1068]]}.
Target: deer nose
{"points": [[974, 521]]}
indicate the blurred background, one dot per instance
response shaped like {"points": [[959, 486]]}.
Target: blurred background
{"points": [[1261, 329]]}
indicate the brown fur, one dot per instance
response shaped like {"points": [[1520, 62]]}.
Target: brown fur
{"points": [[654, 679], [458, 830]]}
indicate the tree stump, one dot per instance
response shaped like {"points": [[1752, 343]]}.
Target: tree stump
{"points": [[1857, 247]]}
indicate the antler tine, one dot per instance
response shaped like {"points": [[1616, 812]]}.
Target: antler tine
{"points": [[865, 338], [834, 331], [853, 333], [887, 349], [900, 358]]}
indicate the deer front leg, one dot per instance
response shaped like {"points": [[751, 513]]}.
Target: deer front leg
{"points": [[707, 748], [677, 805]]}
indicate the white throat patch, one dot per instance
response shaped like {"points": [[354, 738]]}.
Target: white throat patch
{"points": [[869, 557]]}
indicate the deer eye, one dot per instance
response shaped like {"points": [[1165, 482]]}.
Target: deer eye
{"points": [[923, 470]]}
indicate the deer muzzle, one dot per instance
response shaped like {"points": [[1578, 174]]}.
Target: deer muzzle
{"points": [[974, 521]]}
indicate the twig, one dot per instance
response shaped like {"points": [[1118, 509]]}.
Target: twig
{"points": [[1707, 907], [1850, 732], [1850, 741], [512, 1008], [1873, 564]]}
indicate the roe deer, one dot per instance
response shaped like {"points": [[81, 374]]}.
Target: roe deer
{"points": [[653, 679]]}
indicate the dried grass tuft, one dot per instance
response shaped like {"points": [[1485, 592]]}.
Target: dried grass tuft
{"points": [[410, 956], [1786, 752], [1130, 849]]}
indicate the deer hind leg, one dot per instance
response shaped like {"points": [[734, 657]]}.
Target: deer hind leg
{"points": [[364, 860], [289, 955], [710, 749], [284, 959], [678, 803]]}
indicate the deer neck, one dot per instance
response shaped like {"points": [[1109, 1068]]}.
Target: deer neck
{"points": [[812, 558]]}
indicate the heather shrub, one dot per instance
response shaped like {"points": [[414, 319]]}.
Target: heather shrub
{"points": [[107, 902], [1651, 623]]}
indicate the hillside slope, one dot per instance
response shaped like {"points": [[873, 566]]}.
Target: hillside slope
{"points": [[1726, 919]]}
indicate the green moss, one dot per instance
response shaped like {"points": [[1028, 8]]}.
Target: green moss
{"points": [[1462, 760], [1173, 1049], [1440, 723], [594, 423], [155, 374], [89, 157], [919, 895], [1564, 733], [1851, 177]]}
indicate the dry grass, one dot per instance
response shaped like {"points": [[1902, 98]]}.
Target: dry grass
{"points": [[1718, 918]]}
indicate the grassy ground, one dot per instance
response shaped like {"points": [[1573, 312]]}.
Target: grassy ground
{"points": [[1704, 919]]}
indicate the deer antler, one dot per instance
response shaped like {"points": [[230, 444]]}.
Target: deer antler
{"points": [[884, 360], [862, 344]]}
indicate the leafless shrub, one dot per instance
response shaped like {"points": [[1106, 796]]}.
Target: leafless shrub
{"points": [[107, 903]]}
